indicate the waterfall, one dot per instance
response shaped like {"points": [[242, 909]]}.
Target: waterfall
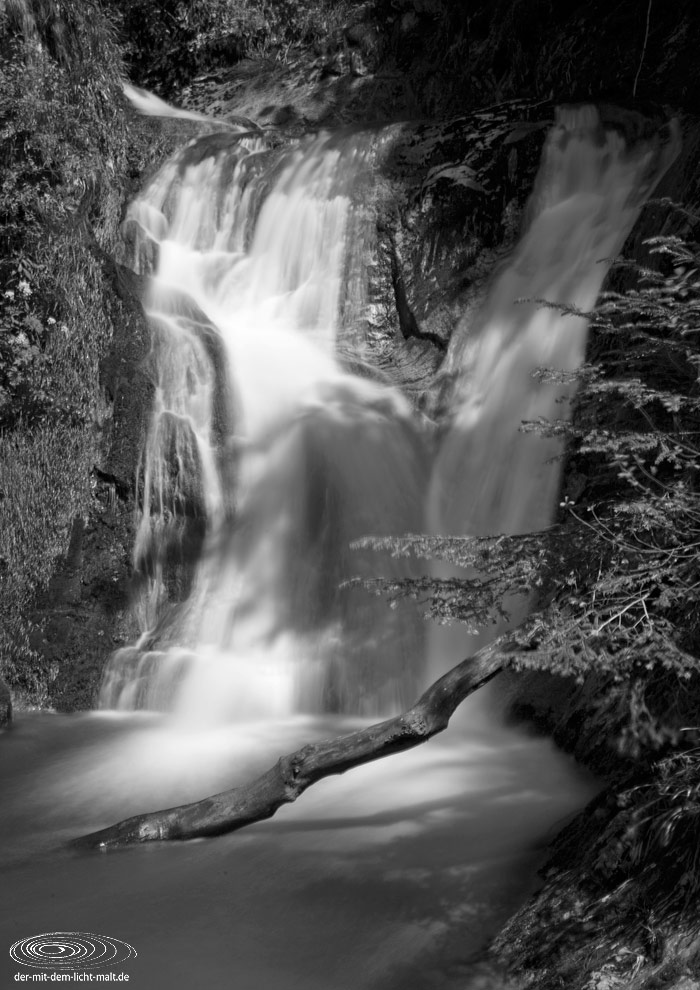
{"points": [[489, 476], [588, 193], [265, 458], [266, 455]]}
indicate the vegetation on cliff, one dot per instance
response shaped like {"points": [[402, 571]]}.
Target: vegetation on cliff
{"points": [[167, 43], [434, 57], [68, 158]]}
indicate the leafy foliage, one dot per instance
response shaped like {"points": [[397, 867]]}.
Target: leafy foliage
{"points": [[499, 567], [62, 145], [169, 42], [659, 822]]}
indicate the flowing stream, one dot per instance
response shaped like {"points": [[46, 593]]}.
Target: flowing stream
{"points": [[271, 447]]}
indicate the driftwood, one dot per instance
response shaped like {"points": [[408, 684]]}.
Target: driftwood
{"points": [[292, 774]]}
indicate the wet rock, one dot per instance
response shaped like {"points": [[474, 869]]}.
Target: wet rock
{"points": [[5, 705], [450, 203], [126, 383], [83, 613]]}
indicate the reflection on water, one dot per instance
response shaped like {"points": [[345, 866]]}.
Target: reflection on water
{"points": [[374, 879]]}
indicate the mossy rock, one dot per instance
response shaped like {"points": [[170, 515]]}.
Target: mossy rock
{"points": [[5, 705]]}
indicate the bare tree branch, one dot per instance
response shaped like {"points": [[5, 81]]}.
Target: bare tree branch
{"points": [[644, 49], [292, 774]]}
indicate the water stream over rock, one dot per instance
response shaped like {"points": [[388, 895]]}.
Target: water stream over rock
{"points": [[265, 447]]}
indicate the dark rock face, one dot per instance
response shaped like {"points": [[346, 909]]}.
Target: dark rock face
{"points": [[450, 202], [5, 705], [409, 59], [83, 614]]}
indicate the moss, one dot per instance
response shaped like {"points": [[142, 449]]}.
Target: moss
{"points": [[70, 153], [44, 474]]}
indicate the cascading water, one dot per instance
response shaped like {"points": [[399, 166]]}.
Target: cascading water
{"points": [[265, 458], [490, 476], [263, 449]]}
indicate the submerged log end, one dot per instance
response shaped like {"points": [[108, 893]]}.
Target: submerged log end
{"points": [[140, 828]]}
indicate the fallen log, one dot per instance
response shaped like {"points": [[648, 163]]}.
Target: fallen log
{"points": [[293, 774]]}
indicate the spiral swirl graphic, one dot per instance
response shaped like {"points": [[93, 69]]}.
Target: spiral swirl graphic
{"points": [[71, 950]]}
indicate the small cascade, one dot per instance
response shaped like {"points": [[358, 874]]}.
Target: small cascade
{"points": [[491, 477], [264, 458]]}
